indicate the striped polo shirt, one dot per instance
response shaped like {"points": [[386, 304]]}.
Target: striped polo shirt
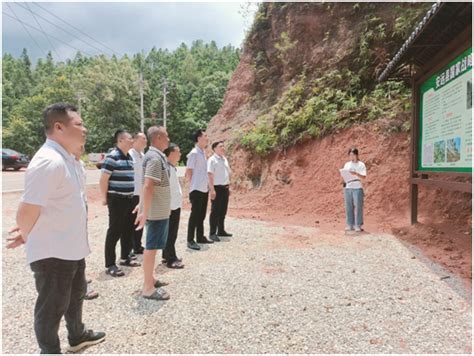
{"points": [[120, 168], [156, 168]]}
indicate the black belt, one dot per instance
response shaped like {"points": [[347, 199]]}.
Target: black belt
{"points": [[123, 196], [354, 180]]}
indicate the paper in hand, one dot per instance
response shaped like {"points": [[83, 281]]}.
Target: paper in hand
{"points": [[347, 175]]}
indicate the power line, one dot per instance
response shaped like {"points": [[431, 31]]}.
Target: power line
{"points": [[61, 28], [57, 39], [26, 30], [78, 30], [44, 33]]}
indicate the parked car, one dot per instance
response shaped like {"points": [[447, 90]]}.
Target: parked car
{"points": [[98, 158], [14, 159]]}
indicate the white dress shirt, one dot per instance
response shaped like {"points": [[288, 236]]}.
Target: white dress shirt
{"points": [[137, 169], [175, 187], [198, 163], [219, 167], [53, 183]]}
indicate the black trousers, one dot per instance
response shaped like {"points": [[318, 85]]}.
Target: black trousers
{"points": [[169, 252], [198, 214], [137, 235], [121, 227], [219, 209], [61, 286]]}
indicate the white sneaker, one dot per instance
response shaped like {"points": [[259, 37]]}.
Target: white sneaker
{"points": [[348, 228], [357, 229]]}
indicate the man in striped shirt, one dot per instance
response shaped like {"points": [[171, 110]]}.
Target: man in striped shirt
{"points": [[116, 187], [154, 211]]}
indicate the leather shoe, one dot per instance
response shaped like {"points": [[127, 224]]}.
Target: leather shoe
{"points": [[214, 238], [204, 240], [193, 246], [225, 234]]}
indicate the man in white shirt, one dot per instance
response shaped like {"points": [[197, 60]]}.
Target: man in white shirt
{"points": [[218, 170], [52, 221], [196, 174], [139, 144], [173, 153]]}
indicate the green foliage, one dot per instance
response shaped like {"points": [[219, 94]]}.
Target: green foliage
{"points": [[261, 21], [284, 46], [342, 91], [262, 138], [312, 109], [108, 91], [373, 32], [407, 18]]}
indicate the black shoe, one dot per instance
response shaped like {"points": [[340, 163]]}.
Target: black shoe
{"points": [[139, 251], [224, 234], [204, 240], [193, 246], [214, 238], [89, 338]]}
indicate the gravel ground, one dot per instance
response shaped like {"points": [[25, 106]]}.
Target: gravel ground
{"points": [[268, 289]]}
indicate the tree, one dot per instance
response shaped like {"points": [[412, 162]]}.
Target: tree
{"points": [[106, 90]]}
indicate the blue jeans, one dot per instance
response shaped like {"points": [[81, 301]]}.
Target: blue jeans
{"points": [[354, 200]]}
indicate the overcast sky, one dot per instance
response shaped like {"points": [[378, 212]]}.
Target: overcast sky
{"points": [[123, 27]]}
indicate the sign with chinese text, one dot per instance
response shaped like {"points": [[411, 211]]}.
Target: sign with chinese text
{"points": [[445, 141]]}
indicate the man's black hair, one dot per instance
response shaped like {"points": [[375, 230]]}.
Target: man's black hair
{"points": [[215, 144], [198, 134], [56, 113], [171, 148], [118, 134]]}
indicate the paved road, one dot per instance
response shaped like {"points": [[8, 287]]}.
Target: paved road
{"points": [[14, 181]]}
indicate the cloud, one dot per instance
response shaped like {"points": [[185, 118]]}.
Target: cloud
{"points": [[124, 27]]}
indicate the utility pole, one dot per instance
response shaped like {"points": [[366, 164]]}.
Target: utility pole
{"points": [[142, 118], [165, 91], [79, 96]]}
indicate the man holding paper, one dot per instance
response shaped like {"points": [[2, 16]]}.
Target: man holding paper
{"points": [[353, 173]]}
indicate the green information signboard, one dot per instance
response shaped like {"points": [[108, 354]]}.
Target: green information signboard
{"points": [[445, 141]]}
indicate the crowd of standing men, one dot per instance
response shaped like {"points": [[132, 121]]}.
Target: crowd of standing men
{"points": [[141, 190]]}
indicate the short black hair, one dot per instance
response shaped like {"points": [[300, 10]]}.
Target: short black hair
{"points": [[57, 112], [198, 134], [118, 134], [215, 144], [171, 148], [354, 151]]}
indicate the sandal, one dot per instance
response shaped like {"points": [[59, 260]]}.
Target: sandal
{"points": [[129, 263], [159, 284], [158, 294], [175, 264], [92, 294], [165, 261], [114, 271]]}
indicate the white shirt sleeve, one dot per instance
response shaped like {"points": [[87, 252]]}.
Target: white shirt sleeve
{"points": [[42, 179], [191, 162], [211, 166], [361, 169]]}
